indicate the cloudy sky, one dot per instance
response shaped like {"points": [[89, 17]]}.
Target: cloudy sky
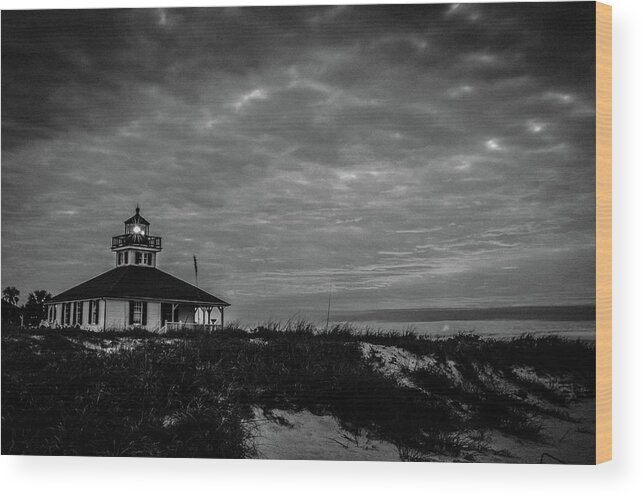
{"points": [[407, 156]]}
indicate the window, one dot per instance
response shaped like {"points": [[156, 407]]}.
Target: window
{"points": [[125, 257], [119, 258], [147, 258], [79, 313], [137, 260], [66, 313], [137, 313], [52, 313], [93, 312]]}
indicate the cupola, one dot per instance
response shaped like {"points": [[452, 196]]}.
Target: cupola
{"points": [[136, 246]]}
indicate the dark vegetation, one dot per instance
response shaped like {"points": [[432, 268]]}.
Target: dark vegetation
{"points": [[30, 314], [134, 393]]}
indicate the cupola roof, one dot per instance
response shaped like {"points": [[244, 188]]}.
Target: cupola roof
{"points": [[137, 218]]}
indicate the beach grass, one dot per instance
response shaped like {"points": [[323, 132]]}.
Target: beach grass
{"points": [[192, 394]]}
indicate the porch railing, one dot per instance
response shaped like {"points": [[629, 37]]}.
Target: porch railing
{"points": [[183, 326]]}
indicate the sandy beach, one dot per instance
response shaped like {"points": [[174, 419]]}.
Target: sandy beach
{"points": [[301, 435]]}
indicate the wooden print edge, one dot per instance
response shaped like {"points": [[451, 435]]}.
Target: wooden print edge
{"points": [[603, 232]]}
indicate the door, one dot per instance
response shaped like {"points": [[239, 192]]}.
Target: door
{"points": [[166, 313]]}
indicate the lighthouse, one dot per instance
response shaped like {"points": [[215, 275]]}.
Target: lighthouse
{"points": [[136, 293]]}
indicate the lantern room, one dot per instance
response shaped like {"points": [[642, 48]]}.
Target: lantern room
{"points": [[136, 246], [136, 225]]}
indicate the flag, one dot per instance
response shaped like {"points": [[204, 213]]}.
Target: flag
{"points": [[196, 270]]}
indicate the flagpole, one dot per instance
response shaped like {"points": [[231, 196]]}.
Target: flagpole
{"points": [[196, 272], [330, 290]]}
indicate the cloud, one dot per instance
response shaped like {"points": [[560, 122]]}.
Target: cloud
{"points": [[246, 99], [411, 155]]}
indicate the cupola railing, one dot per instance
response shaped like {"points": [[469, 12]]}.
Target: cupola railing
{"points": [[132, 240]]}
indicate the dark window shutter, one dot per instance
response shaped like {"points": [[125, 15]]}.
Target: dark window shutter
{"points": [[131, 313], [144, 316], [80, 313]]}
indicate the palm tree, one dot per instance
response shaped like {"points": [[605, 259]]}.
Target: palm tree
{"points": [[39, 297], [35, 306], [11, 294]]}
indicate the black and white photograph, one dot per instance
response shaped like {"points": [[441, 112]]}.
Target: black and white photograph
{"points": [[340, 232]]}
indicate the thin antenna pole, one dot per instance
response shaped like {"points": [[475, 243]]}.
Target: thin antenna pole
{"points": [[330, 291]]}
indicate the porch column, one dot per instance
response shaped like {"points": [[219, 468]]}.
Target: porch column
{"points": [[222, 321], [174, 305]]}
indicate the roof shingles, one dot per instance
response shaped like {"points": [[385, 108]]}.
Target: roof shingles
{"points": [[130, 281]]}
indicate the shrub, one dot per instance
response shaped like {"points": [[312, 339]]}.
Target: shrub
{"points": [[191, 393]]}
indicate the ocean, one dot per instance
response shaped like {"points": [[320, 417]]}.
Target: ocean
{"points": [[572, 321], [582, 329]]}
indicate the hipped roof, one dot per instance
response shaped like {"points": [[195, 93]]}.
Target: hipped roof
{"points": [[134, 282], [137, 219]]}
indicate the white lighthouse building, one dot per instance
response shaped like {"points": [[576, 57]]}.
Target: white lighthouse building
{"points": [[136, 293]]}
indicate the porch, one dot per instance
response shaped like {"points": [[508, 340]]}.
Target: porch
{"points": [[182, 316]]}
